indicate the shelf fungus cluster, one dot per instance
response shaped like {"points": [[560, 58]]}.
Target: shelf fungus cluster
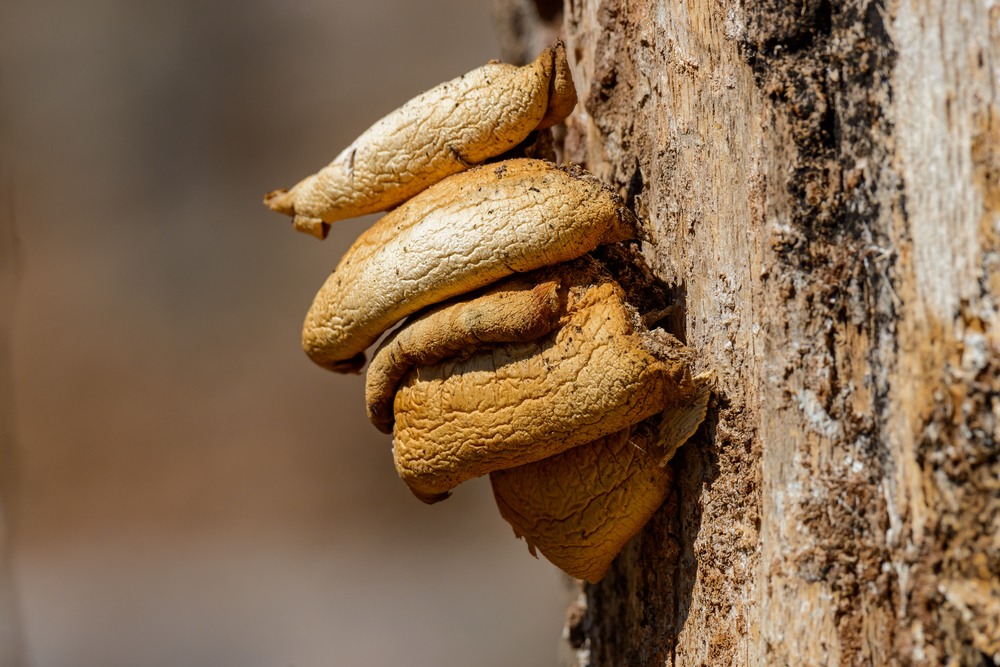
{"points": [[517, 355]]}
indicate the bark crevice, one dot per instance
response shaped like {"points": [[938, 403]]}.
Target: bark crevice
{"points": [[819, 184]]}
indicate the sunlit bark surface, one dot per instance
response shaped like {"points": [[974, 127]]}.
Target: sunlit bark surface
{"points": [[819, 181]]}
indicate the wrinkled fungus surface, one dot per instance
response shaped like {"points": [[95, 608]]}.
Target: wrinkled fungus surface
{"points": [[580, 507], [446, 130], [501, 405], [520, 356], [518, 309], [464, 233]]}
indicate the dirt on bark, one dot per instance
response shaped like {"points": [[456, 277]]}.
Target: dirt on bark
{"points": [[818, 183]]}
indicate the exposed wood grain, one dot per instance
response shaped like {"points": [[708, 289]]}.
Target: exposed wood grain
{"points": [[820, 182]]}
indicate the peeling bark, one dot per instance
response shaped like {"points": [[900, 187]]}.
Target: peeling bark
{"points": [[820, 185]]}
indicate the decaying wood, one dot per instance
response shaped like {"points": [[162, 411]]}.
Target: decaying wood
{"points": [[820, 184]]}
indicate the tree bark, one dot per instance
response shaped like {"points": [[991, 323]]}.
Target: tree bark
{"points": [[820, 186]]}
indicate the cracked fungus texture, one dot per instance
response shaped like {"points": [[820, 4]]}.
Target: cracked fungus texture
{"points": [[580, 507], [444, 131], [505, 405], [459, 235], [521, 358], [518, 309]]}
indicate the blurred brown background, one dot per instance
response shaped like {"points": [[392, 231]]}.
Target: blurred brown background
{"points": [[190, 489]]}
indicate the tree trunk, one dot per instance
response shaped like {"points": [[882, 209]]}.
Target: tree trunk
{"points": [[820, 184]]}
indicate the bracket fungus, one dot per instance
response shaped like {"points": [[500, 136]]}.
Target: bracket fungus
{"points": [[461, 234], [441, 132], [496, 406], [520, 356], [519, 309], [580, 507]]}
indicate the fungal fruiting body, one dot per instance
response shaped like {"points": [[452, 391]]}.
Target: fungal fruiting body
{"points": [[499, 405], [521, 308], [444, 131], [520, 356], [580, 507], [463, 233]]}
